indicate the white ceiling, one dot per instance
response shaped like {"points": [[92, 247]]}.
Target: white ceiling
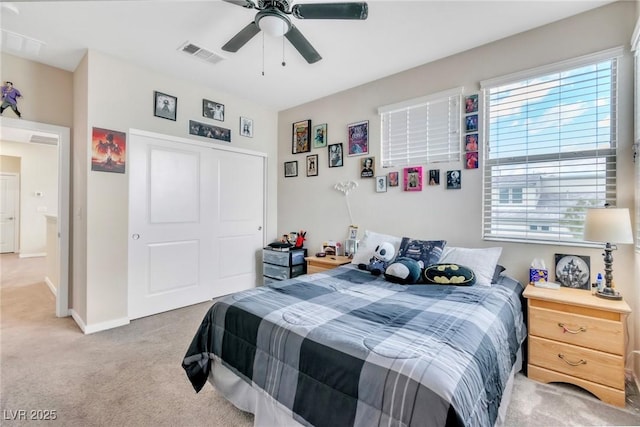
{"points": [[398, 35]]}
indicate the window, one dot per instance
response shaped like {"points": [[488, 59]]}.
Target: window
{"points": [[421, 130], [551, 141]]}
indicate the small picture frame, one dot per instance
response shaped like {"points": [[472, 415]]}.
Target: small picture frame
{"points": [[358, 143], [213, 110], [454, 180], [353, 232], [434, 176], [413, 178], [471, 142], [246, 127], [393, 179], [291, 169], [573, 271], [209, 131], [471, 104], [381, 184], [312, 165], [471, 123], [336, 155], [471, 160], [165, 106], [301, 137], [367, 167], [320, 136]]}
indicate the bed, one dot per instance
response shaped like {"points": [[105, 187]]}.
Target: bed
{"points": [[347, 348]]}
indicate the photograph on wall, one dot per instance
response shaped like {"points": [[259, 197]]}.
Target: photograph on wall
{"points": [[393, 179], [320, 136], [359, 138], [367, 167], [471, 142], [108, 150], [381, 184], [213, 110], [165, 106], [290, 169], [413, 179], [573, 271], [472, 160], [246, 127], [471, 103], [301, 137], [454, 180], [471, 123], [209, 131], [434, 176], [312, 165], [335, 155]]}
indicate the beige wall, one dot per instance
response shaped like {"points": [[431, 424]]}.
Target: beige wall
{"points": [[38, 173], [311, 203]]}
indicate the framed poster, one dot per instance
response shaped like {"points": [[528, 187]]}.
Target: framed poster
{"points": [[434, 176], [209, 131], [359, 138], [290, 169], [320, 136], [393, 179], [312, 165], [335, 155], [471, 104], [246, 127], [367, 167], [108, 150], [213, 110], [381, 184], [413, 179], [454, 180], [165, 106], [301, 137], [573, 271]]}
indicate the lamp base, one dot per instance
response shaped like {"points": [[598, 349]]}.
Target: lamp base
{"points": [[609, 293]]}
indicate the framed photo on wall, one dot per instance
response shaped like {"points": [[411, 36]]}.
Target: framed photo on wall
{"points": [[320, 136], [290, 169], [336, 158], [381, 184], [393, 179], [367, 167], [213, 110], [312, 165], [165, 106], [359, 138], [108, 150], [301, 137], [454, 180], [413, 178], [246, 127]]}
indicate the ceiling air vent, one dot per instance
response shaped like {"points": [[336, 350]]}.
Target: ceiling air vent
{"points": [[201, 53]]}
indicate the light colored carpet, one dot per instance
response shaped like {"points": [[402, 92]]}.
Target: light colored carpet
{"points": [[131, 376]]}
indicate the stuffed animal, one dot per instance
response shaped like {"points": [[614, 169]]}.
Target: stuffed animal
{"points": [[382, 256], [405, 271]]}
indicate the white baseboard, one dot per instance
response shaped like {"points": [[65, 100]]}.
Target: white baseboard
{"points": [[102, 326], [51, 286], [32, 255]]}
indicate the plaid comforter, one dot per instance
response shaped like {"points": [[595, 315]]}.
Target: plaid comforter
{"points": [[346, 348]]}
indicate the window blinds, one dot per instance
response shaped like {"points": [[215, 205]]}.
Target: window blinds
{"points": [[551, 142], [421, 130]]}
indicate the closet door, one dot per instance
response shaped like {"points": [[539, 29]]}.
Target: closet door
{"points": [[195, 223]]}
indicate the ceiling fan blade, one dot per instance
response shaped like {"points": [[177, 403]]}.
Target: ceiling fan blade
{"points": [[241, 38], [249, 4], [302, 45], [352, 10]]}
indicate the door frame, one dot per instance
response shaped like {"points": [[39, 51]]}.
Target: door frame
{"points": [[16, 204], [64, 165]]}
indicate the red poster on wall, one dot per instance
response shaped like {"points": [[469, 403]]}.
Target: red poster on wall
{"points": [[108, 150]]}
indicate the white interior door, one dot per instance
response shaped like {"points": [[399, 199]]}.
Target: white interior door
{"points": [[195, 222], [9, 200]]}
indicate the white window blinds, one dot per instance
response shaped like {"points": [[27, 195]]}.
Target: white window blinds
{"points": [[421, 130], [635, 46], [551, 138]]}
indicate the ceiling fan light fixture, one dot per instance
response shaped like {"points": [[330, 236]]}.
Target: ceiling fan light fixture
{"points": [[273, 23]]}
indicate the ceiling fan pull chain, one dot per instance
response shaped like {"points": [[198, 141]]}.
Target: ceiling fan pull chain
{"points": [[263, 53], [283, 63]]}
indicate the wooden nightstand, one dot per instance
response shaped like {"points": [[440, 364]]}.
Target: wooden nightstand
{"points": [[316, 264], [577, 338]]}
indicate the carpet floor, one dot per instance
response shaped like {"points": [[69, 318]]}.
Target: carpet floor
{"points": [[131, 376]]}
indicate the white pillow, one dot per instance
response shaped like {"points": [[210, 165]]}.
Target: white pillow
{"points": [[368, 244], [482, 261]]}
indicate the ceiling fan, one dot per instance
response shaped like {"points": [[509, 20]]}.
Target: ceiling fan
{"points": [[272, 18]]}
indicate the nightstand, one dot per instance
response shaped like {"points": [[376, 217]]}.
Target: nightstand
{"points": [[317, 264], [577, 338], [282, 265]]}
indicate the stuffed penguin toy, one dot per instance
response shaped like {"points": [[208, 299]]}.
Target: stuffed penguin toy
{"points": [[382, 256], [405, 271]]}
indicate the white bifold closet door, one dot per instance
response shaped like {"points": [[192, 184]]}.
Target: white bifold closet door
{"points": [[196, 216]]}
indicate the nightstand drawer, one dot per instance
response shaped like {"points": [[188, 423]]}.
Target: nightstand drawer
{"points": [[591, 365], [282, 273], [591, 332]]}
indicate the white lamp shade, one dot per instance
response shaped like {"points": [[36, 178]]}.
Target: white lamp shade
{"points": [[608, 225], [274, 25]]}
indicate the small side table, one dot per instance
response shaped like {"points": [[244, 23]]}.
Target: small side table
{"points": [[317, 264]]}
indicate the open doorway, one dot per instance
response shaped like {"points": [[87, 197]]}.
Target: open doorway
{"points": [[27, 132]]}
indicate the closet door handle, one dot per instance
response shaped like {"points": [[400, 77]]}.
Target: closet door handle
{"points": [[135, 236]]}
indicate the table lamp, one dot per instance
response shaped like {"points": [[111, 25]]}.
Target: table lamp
{"points": [[611, 226]]}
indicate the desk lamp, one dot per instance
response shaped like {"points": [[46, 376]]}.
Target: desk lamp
{"points": [[611, 226]]}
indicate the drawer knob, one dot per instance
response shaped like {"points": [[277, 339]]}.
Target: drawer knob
{"points": [[569, 362], [572, 331]]}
